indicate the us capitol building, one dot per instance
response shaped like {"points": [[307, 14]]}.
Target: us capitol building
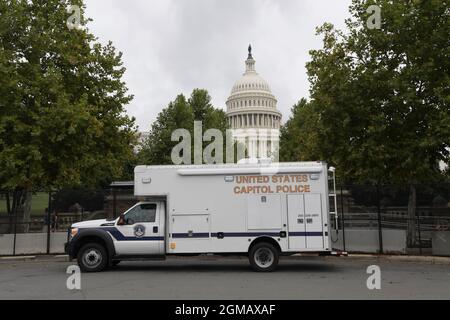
{"points": [[252, 113]]}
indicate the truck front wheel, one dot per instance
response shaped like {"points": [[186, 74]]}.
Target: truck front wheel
{"points": [[92, 257], [263, 257]]}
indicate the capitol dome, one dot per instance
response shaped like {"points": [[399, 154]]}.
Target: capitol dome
{"points": [[251, 81], [251, 107]]}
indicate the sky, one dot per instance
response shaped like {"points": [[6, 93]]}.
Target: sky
{"points": [[174, 46]]}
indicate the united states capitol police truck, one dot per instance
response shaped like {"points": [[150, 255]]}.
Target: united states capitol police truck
{"points": [[262, 210]]}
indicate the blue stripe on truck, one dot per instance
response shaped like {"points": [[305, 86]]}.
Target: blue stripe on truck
{"points": [[306, 234], [116, 234], [247, 234], [269, 234], [191, 235]]}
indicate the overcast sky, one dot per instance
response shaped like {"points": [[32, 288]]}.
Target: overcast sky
{"points": [[173, 46]]}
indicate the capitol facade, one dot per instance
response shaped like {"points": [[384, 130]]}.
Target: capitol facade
{"points": [[252, 113]]}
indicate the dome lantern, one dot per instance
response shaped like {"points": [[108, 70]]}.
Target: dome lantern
{"points": [[250, 62]]}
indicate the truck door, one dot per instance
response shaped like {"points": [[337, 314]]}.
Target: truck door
{"points": [[296, 222], [143, 231], [313, 218], [305, 221]]}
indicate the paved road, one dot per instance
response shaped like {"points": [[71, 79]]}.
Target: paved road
{"points": [[228, 278]]}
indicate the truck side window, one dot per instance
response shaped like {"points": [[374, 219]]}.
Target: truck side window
{"points": [[142, 213]]}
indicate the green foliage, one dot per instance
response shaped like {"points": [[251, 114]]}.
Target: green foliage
{"points": [[379, 107], [180, 114], [298, 141], [157, 147], [62, 100]]}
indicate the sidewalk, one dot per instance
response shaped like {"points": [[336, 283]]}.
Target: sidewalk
{"points": [[405, 258], [26, 258], [397, 258]]}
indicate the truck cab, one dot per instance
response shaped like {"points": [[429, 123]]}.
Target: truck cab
{"points": [[138, 233]]}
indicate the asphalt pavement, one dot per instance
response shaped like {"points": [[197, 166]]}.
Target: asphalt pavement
{"points": [[205, 278]]}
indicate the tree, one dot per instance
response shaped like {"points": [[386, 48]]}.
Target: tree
{"points": [[203, 110], [181, 114], [156, 150], [298, 141], [62, 102], [382, 96]]}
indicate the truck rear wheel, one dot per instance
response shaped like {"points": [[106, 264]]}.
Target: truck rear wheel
{"points": [[92, 257], [263, 257]]}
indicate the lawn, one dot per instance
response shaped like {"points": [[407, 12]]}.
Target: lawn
{"points": [[38, 204]]}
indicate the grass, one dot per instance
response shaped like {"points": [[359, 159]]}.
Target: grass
{"points": [[39, 202]]}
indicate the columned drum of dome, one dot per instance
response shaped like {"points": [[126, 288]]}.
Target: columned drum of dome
{"points": [[252, 113]]}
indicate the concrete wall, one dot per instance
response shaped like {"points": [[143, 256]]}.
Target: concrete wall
{"points": [[6, 244], [441, 243], [362, 240], [32, 243], [356, 240]]}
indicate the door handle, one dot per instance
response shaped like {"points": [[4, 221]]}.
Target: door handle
{"points": [[155, 229]]}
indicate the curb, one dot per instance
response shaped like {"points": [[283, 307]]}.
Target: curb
{"points": [[404, 258], [42, 258], [18, 258], [424, 259], [388, 258]]}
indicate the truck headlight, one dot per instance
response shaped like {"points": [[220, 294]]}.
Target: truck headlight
{"points": [[73, 232]]}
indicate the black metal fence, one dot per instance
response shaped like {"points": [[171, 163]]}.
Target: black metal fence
{"points": [[381, 219], [404, 219], [50, 214]]}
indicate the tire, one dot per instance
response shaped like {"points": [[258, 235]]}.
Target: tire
{"points": [[263, 257], [92, 257]]}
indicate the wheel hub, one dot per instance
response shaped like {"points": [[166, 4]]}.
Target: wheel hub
{"points": [[264, 257], [92, 258]]}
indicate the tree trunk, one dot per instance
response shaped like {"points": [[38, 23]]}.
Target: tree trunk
{"points": [[21, 208], [411, 232], [16, 195], [10, 214], [8, 203]]}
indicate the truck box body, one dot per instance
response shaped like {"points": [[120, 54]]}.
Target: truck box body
{"points": [[223, 208]]}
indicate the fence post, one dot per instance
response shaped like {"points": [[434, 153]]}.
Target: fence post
{"points": [[8, 203], [380, 230], [15, 227], [420, 238], [343, 218], [114, 202], [49, 209]]}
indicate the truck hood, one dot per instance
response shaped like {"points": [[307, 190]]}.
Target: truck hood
{"points": [[91, 223]]}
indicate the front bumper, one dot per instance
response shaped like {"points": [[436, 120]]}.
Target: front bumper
{"points": [[68, 245], [69, 249]]}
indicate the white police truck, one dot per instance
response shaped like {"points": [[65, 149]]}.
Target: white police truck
{"points": [[262, 210]]}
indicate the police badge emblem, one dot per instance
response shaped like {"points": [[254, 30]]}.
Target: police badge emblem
{"points": [[139, 231]]}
